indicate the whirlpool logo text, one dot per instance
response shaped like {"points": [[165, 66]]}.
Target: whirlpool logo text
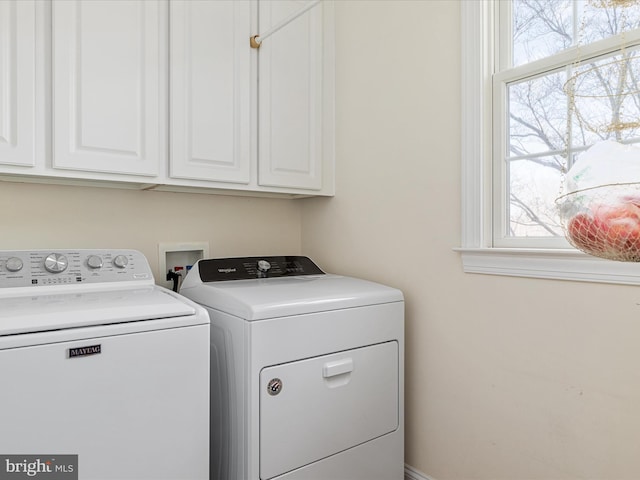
{"points": [[49, 467]]}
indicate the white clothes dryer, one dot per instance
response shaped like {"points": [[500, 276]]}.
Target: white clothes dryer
{"points": [[307, 371], [97, 362]]}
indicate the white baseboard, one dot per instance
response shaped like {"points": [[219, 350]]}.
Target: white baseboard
{"points": [[411, 473]]}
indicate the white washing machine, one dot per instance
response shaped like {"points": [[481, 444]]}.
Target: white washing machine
{"points": [[96, 361], [307, 371]]}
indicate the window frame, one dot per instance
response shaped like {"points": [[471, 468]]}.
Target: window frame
{"points": [[479, 255]]}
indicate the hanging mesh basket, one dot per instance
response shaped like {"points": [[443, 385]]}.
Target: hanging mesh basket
{"points": [[601, 213], [592, 99], [604, 221]]}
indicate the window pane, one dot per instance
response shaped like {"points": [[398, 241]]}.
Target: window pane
{"points": [[537, 115], [599, 100], [600, 19], [606, 96], [534, 186], [541, 28]]}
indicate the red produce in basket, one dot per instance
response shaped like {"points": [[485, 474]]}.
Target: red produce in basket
{"points": [[587, 233], [609, 231]]}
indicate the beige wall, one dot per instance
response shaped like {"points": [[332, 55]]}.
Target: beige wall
{"points": [[46, 216], [506, 378]]}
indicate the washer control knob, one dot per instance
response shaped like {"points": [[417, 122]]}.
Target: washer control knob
{"points": [[120, 261], [94, 262], [14, 264], [56, 263], [263, 266]]}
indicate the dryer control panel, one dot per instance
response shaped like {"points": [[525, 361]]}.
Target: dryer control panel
{"points": [[27, 268], [246, 268]]}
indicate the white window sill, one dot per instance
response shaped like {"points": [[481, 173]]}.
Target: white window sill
{"points": [[556, 264]]}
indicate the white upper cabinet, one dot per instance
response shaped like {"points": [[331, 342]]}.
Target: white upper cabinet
{"points": [[169, 95], [256, 117], [17, 83], [290, 97], [210, 90], [108, 101]]}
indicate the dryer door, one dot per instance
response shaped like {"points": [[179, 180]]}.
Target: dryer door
{"points": [[314, 408]]}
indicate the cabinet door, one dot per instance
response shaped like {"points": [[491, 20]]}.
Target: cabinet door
{"points": [[108, 102], [290, 96], [210, 90], [17, 82]]}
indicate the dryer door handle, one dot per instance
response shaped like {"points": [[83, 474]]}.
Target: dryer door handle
{"points": [[331, 369]]}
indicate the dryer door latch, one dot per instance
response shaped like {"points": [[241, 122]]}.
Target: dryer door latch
{"points": [[331, 369]]}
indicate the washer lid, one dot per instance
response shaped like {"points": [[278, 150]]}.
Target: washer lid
{"points": [[261, 299], [28, 314]]}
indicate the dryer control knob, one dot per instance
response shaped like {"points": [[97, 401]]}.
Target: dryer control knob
{"points": [[121, 261], [55, 263], [263, 266], [94, 261], [14, 264]]}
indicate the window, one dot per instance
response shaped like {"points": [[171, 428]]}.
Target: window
{"points": [[521, 130]]}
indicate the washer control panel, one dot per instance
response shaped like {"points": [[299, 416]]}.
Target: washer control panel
{"points": [[245, 268], [23, 268]]}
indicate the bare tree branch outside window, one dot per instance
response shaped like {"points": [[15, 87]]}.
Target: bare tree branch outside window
{"points": [[606, 94]]}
